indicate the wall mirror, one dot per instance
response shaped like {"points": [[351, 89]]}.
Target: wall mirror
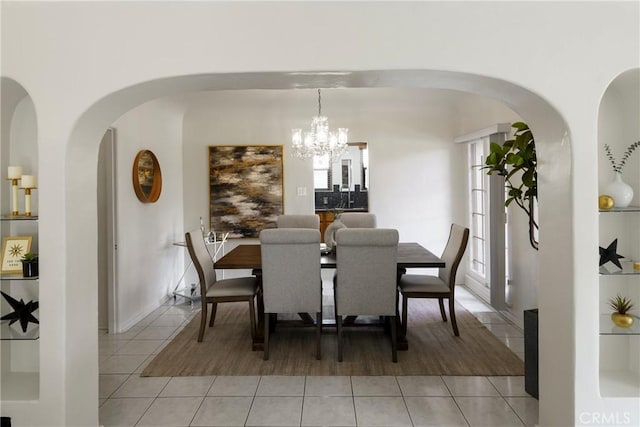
{"points": [[147, 177], [344, 183]]}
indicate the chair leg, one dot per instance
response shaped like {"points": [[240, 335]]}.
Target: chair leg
{"points": [[441, 302], [252, 317], [318, 335], [394, 340], [214, 309], [452, 314], [265, 355], [404, 314], [339, 326], [203, 321]]}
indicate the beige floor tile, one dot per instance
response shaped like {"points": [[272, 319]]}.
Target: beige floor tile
{"points": [[489, 317], [381, 411], [136, 386], [223, 411], [234, 386], [170, 411], [145, 347], [505, 330], [515, 344], [275, 411], [375, 386], [107, 384], [123, 412], [187, 386], [509, 386], [488, 411], [470, 386], [156, 333], [328, 411], [526, 408], [169, 320], [281, 385], [144, 364], [422, 386], [434, 412], [121, 364], [328, 386]]}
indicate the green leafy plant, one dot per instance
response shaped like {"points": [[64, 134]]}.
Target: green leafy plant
{"points": [[516, 158], [621, 304], [29, 257]]}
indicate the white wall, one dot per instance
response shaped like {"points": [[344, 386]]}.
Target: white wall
{"points": [[82, 74], [148, 264]]}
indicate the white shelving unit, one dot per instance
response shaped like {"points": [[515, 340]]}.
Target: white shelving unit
{"points": [[620, 347], [19, 375]]}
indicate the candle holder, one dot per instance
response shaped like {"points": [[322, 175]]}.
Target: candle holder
{"points": [[14, 175], [28, 184]]}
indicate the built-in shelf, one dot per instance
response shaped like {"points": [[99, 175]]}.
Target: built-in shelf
{"points": [[17, 277], [14, 332], [607, 327], [623, 383], [611, 270], [627, 209], [10, 217], [20, 386]]}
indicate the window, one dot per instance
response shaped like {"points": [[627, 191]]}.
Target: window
{"points": [[478, 184], [321, 172]]}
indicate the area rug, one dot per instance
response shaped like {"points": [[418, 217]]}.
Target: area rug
{"points": [[433, 349]]}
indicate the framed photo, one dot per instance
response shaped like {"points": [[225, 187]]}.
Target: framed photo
{"points": [[13, 248], [147, 177], [245, 188]]}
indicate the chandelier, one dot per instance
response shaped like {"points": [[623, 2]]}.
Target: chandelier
{"points": [[319, 141]]}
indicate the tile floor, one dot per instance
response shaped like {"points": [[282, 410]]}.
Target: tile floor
{"points": [[126, 399]]}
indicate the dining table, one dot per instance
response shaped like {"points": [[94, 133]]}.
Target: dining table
{"points": [[249, 257]]}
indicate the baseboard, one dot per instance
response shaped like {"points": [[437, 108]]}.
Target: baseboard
{"points": [[125, 326], [477, 288]]}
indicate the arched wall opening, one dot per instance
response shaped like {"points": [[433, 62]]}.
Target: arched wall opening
{"points": [[554, 200]]}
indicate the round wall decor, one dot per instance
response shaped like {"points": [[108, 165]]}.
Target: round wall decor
{"points": [[147, 177]]}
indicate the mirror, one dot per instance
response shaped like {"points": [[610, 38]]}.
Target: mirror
{"points": [[147, 177], [343, 184]]}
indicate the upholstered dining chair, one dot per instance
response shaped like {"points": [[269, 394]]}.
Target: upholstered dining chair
{"points": [[358, 219], [291, 281], [298, 221], [365, 282], [441, 286], [213, 291]]}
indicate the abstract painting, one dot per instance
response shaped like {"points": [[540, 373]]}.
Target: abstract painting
{"points": [[245, 188]]}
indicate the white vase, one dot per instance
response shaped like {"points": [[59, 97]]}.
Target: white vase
{"points": [[621, 192]]}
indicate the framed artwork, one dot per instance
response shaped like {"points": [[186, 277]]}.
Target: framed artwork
{"points": [[147, 177], [13, 248], [245, 188]]}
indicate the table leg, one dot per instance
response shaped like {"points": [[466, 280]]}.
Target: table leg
{"points": [[258, 339]]}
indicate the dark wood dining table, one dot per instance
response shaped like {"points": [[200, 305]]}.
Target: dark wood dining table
{"points": [[249, 257]]}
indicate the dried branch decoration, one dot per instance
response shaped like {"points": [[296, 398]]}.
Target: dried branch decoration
{"points": [[617, 167]]}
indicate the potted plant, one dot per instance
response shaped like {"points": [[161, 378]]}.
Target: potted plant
{"points": [[29, 264], [621, 305]]}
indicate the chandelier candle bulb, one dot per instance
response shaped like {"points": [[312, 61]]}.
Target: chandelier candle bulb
{"points": [[13, 174]]}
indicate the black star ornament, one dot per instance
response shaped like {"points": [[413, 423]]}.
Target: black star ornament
{"points": [[610, 254], [22, 312]]}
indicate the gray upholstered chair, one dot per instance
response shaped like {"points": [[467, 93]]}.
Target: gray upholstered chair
{"points": [[298, 221], [213, 291], [366, 277], [291, 280], [441, 286], [358, 219]]}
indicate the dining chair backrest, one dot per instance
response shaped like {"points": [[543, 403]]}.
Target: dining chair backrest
{"points": [[291, 278], [358, 219], [366, 271], [201, 259], [452, 254], [298, 221]]}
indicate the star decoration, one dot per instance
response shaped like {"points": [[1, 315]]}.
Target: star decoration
{"points": [[610, 254], [22, 312]]}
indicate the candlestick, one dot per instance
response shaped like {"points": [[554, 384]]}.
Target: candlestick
{"points": [[28, 184], [13, 175]]}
